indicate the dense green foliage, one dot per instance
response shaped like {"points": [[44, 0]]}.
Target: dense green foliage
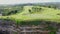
{"points": [[11, 10]]}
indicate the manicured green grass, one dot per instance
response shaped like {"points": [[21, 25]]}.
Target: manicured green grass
{"points": [[48, 14]]}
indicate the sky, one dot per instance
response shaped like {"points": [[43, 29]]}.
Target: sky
{"points": [[25, 1]]}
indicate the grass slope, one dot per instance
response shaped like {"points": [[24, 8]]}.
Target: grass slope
{"points": [[48, 14]]}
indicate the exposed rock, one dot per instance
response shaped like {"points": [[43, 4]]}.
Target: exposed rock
{"points": [[9, 27]]}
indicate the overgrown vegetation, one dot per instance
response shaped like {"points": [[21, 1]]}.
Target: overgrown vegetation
{"points": [[11, 10], [32, 15]]}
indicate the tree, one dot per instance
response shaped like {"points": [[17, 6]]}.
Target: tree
{"points": [[29, 11]]}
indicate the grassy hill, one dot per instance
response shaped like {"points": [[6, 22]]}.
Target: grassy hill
{"points": [[47, 14]]}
